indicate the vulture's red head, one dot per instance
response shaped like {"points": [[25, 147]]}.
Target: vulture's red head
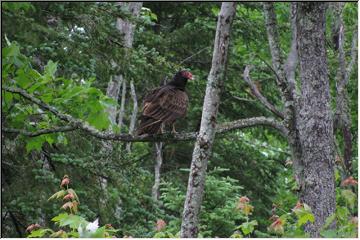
{"points": [[186, 74], [180, 79]]}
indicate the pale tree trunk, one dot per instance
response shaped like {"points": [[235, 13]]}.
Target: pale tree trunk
{"points": [[133, 114], [315, 121], [126, 28], [113, 91], [285, 76], [205, 138], [158, 163], [122, 105], [342, 118]]}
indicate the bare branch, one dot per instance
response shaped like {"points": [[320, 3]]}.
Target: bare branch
{"points": [[258, 94], [188, 58], [40, 132], [166, 137]]}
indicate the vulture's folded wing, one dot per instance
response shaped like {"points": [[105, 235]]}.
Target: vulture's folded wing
{"points": [[166, 104]]}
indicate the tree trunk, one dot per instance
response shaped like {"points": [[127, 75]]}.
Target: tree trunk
{"points": [[342, 118], [159, 160], [113, 91], [204, 142], [122, 104], [133, 115], [126, 28], [315, 121]]}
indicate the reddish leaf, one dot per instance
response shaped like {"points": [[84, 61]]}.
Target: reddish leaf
{"points": [[160, 225]]}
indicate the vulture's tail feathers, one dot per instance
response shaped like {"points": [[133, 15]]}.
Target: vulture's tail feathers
{"points": [[148, 125]]}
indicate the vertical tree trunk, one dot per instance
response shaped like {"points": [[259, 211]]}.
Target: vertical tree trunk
{"points": [[133, 114], [112, 91], [204, 142], [159, 160], [285, 76], [126, 28], [315, 121], [342, 118], [122, 104]]}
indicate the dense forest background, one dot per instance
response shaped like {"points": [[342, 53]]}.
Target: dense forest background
{"points": [[69, 55]]}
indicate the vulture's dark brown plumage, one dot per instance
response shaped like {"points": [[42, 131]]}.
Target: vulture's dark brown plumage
{"points": [[164, 104]]}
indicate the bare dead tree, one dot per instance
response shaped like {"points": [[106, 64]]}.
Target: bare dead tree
{"points": [[133, 114], [158, 162], [126, 28], [342, 117], [122, 105]]}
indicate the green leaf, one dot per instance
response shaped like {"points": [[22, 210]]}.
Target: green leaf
{"points": [[8, 97], [50, 68], [99, 120], [329, 233], [11, 51], [349, 196], [58, 194], [35, 143], [73, 221], [304, 218], [60, 217], [99, 233], [248, 227], [22, 79], [40, 233], [342, 214]]}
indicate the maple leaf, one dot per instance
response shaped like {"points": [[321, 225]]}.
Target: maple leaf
{"points": [[160, 225], [65, 181], [350, 181], [277, 226], [32, 227], [244, 199], [68, 205], [69, 196]]}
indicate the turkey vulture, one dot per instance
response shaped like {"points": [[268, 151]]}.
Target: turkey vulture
{"points": [[165, 104]]}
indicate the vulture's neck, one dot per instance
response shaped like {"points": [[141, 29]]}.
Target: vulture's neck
{"points": [[178, 83]]}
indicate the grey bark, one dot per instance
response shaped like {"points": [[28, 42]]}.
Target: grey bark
{"points": [[286, 82], [122, 104], [127, 29], [292, 59], [133, 114], [112, 91], [342, 118], [315, 121], [205, 138], [158, 162]]}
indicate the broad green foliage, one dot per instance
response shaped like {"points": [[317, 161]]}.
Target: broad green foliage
{"points": [[72, 96], [71, 225]]}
